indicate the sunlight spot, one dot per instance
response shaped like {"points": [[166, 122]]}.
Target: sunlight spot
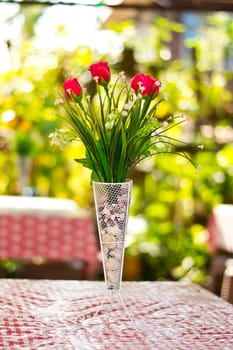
{"points": [[8, 115]]}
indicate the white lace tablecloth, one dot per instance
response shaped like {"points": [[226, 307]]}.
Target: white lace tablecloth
{"points": [[47, 315]]}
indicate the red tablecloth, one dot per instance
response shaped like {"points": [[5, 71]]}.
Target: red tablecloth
{"points": [[51, 237], [50, 315]]}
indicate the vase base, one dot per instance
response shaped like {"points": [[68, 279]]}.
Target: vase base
{"points": [[112, 314]]}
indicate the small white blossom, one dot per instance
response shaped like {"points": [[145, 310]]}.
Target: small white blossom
{"points": [[54, 139], [128, 105], [198, 169], [58, 101], [57, 139], [200, 146], [165, 124], [124, 113], [122, 75], [109, 125]]}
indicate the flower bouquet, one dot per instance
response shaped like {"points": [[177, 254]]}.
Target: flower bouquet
{"points": [[119, 128]]}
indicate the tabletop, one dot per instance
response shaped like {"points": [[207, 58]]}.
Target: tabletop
{"points": [[46, 314]]}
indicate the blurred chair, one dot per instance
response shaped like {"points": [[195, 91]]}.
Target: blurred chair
{"points": [[220, 228], [227, 283], [51, 238]]}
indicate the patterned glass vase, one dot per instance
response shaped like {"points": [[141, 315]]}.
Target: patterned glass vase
{"points": [[112, 203]]}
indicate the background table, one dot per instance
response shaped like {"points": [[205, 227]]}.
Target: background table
{"points": [[49, 228], [220, 228], [47, 315], [220, 231]]}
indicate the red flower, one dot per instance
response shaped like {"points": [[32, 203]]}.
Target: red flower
{"points": [[72, 88], [101, 72], [145, 84]]}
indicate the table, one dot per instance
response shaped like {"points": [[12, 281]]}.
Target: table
{"points": [[49, 228], [220, 244], [46, 314], [220, 228], [49, 237]]}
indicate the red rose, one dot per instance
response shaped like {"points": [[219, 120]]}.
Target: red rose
{"points": [[145, 84], [72, 88], [101, 72]]}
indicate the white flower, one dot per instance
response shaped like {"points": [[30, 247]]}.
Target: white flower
{"points": [[109, 125], [128, 105], [59, 101], [57, 139], [198, 169]]}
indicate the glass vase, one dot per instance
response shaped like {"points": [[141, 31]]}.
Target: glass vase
{"points": [[112, 203]]}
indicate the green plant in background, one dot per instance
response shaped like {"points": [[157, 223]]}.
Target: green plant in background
{"points": [[172, 235], [24, 144]]}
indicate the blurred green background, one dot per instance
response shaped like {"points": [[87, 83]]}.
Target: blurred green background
{"points": [[192, 55]]}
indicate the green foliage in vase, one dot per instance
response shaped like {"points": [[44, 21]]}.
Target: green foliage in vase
{"points": [[121, 128]]}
